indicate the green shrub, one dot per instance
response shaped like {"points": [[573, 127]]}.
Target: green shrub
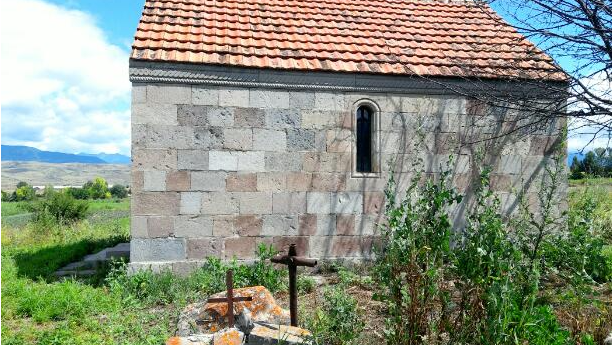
{"points": [[78, 193], [306, 284], [410, 268], [60, 207], [262, 272], [24, 193], [119, 191], [97, 189], [337, 321]]}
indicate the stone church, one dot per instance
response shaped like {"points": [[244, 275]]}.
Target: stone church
{"points": [[281, 121]]}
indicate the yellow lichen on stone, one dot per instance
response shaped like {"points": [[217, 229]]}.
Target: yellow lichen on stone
{"points": [[230, 337]]}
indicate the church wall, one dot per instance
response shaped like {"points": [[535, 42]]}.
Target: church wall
{"points": [[218, 170]]}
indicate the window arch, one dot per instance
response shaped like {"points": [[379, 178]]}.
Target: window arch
{"points": [[364, 126]]}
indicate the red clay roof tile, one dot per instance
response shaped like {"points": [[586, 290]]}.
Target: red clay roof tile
{"points": [[428, 38]]}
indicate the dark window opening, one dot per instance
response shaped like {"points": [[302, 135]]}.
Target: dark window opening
{"points": [[364, 139]]}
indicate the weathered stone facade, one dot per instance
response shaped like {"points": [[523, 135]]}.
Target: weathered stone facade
{"points": [[219, 169]]}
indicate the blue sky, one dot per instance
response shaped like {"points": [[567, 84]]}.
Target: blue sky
{"points": [[67, 65]]}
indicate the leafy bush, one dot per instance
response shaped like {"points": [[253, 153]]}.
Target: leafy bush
{"points": [[306, 284], [78, 193], [24, 193], [97, 189], [410, 269], [119, 191], [262, 272], [60, 207], [338, 321]]}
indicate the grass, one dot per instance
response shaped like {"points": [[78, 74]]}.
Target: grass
{"points": [[13, 208], [142, 309]]}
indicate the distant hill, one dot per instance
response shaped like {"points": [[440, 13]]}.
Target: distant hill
{"points": [[31, 154], [61, 174], [111, 158]]}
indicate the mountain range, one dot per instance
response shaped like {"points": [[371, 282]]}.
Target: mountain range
{"points": [[31, 154]]}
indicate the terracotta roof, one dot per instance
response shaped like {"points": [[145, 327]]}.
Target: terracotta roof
{"points": [[408, 37]]}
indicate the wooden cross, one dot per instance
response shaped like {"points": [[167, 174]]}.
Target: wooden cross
{"points": [[230, 299], [293, 261]]}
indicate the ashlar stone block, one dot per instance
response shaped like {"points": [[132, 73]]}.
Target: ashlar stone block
{"points": [[255, 202], [301, 100], [191, 202], [249, 117], [179, 181], [251, 161], [318, 202], [193, 227], [205, 95], [269, 140], [216, 203], [299, 139], [277, 161], [160, 226], [155, 203], [283, 118], [280, 225], [238, 139], [201, 248], [241, 182], [208, 181], [157, 249], [271, 182], [329, 101], [222, 160], [169, 94], [268, 99], [154, 113], [158, 159], [192, 160], [351, 202], [154, 181], [233, 97], [289, 203]]}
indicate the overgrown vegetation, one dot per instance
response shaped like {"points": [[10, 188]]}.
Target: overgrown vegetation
{"points": [[337, 321], [483, 285]]}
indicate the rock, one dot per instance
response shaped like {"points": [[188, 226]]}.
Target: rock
{"points": [[200, 339], [244, 322], [228, 337], [207, 318], [268, 334], [258, 322], [223, 337]]}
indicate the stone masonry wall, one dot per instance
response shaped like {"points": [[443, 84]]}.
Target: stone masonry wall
{"points": [[218, 170]]}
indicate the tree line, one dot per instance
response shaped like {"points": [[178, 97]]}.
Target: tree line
{"points": [[596, 163], [96, 189]]}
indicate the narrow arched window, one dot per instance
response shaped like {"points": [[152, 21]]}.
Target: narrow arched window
{"points": [[364, 139]]}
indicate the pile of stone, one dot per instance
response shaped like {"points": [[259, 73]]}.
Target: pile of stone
{"points": [[257, 322]]}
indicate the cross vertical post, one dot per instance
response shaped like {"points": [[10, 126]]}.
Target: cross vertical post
{"points": [[230, 299], [293, 261]]}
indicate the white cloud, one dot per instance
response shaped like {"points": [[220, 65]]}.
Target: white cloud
{"points": [[63, 85]]}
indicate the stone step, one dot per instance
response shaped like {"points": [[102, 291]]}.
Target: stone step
{"points": [[90, 263], [75, 273]]}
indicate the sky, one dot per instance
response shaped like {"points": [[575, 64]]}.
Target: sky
{"points": [[64, 74]]}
